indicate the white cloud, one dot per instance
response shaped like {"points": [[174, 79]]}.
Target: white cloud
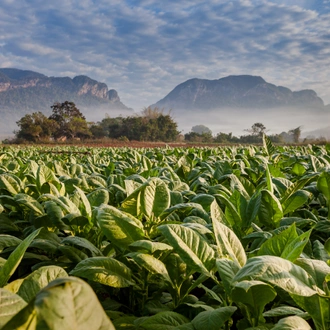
{"points": [[145, 48]]}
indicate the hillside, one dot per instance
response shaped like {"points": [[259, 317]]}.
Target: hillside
{"points": [[23, 91], [234, 103], [242, 91]]}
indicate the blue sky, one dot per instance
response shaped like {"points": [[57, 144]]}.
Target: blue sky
{"points": [[144, 48]]}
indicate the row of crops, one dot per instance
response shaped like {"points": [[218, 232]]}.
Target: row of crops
{"points": [[172, 238]]}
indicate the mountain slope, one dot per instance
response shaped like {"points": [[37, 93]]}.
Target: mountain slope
{"points": [[23, 91], [242, 91]]}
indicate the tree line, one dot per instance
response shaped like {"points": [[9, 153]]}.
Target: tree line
{"points": [[67, 122], [201, 133]]}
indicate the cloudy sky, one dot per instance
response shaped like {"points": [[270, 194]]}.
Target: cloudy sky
{"points": [[144, 48]]}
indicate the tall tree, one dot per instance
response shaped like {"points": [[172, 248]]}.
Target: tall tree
{"points": [[35, 127], [201, 129], [71, 122], [152, 113], [295, 133], [257, 129]]}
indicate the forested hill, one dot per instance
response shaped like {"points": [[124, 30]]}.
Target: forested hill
{"points": [[243, 91], [23, 91]]}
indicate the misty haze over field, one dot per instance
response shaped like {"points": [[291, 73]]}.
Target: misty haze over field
{"points": [[229, 120], [229, 105], [276, 120]]}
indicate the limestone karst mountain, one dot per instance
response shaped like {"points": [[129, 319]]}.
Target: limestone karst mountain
{"points": [[243, 91], [23, 91]]}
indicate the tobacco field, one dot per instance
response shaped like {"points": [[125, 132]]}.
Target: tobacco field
{"points": [[165, 238]]}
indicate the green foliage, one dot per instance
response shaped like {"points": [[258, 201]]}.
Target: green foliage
{"points": [[173, 238], [71, 122], [151, 125], [66, 303], [36, 127], [198, 137], [66, 122], [201, 129]]}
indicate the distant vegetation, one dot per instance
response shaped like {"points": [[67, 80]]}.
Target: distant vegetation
{"points": [[67, 123], [256, 131]]}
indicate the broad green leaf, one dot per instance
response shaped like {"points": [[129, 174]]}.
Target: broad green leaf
{"points": [[318, 269], [268, 145], [252, 209], [55, 214], [203, 199], [155, 198], [132, 203], [164, 321], [186, 326], [270, 211], [227, 270], [77, 223], [96, 181], [287, 244], [236, 185], [186, 209], [211, 293], [317, 307], [50, 188], [255, 295], [98, 197], [217, 213], [14, 285], [323, 184], [85, 202], [120, 228], [319, 251], [152, 264], [213, 320], [292, 323], [284, 311], [39, 279], [10, 305], [232, 214], [63, 202], [82, 243], [177, 269], [66, 304], [125, 322], [30, 203], [7, 241], [270, 185], [296, 200], [191, 247], [229, 246], [45, 174], [278, 272], [298, 169], [151, 247], [11, 183], [15, 258], [298, 185], [104, 270], [72, 253]]}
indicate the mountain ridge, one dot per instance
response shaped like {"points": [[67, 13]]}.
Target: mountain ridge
{"points": [[236, 91], [25, 91], [15, 79]]}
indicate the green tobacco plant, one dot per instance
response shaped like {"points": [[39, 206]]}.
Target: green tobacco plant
{"points": [[65, 303], [166, 238]]}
